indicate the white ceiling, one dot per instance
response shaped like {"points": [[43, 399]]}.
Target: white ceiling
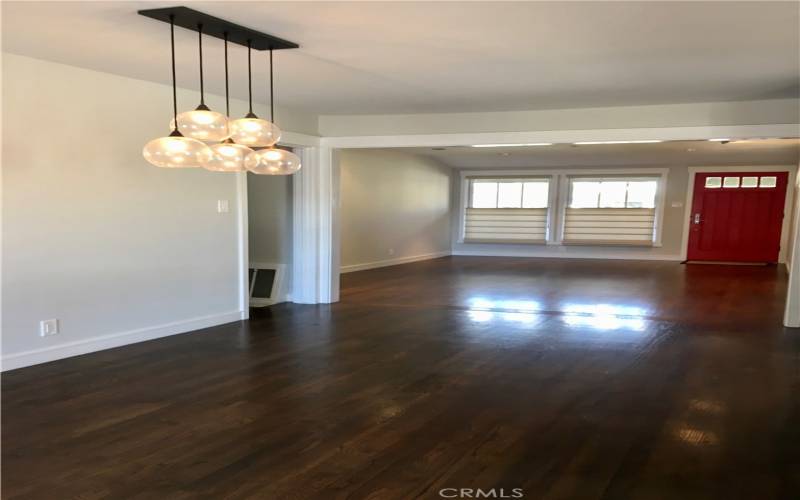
{"points": [[692, 153], [409, 57]]}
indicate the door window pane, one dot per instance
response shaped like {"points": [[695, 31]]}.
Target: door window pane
{"points": [[509, 195], [612, 194], [769, 181], [730, 182], [484, 195], [749, 182], [642, 194], [534, 194], [713, 182], [584, 194]]}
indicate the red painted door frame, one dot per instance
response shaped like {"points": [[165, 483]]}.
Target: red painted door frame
{"points": [[737, 224]]}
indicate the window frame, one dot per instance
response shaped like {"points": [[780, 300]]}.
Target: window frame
{"points": [[558, 195], [509, 180], [651, 178], [660, 178], [467, 178]]}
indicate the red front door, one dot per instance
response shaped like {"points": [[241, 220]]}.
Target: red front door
{"points": [[737, 217]]}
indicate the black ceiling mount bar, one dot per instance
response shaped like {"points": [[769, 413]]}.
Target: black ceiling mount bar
{"points": [[216, 27]]}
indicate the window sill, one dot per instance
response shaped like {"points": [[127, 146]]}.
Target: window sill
{"points": [[609, 243], [504, 242]]}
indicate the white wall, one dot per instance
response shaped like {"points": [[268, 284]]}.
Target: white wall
{"points": [[395, 207], [269, 200], [777, 111], [115, 248]]}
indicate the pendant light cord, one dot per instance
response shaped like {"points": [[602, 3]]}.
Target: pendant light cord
{"points": [[271, 91], [227, 97], [200, 46], [249, 78], [174, 84]]}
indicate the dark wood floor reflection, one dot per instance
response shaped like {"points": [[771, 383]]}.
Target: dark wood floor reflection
{"points": [[568, 379]]}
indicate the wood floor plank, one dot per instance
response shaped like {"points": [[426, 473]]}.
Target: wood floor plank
{"points": [[570, 379]]}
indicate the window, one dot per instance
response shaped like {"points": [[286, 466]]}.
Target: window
{"points": [[730, 182], [749, 182], [611, 211], [510, 210], [512, 193], [613, 194], [739, 181], [484, 195], [769, 181]]}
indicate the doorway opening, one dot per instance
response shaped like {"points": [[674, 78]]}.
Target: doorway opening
{"points": [[268, 239]]}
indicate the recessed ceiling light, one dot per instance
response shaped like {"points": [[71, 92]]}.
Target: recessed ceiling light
{"points": [[512, 145], [722, 139], [582, 143]]}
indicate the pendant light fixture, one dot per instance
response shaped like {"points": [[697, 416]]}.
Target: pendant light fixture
{"points": [[272, 160], [252, 130], [227, 156], [175, 150], [202, 123]]}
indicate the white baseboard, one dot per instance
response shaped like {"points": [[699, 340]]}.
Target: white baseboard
{"points": [[100, 343], [570, 255], [392, 262]]}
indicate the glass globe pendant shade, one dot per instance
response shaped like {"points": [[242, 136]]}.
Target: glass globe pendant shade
{"points": [[253, 131], [227, 156], [176, 151], [202, 124], [272, 161]]}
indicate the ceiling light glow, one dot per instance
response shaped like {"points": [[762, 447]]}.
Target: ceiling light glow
{"points": [[511, 145], [586, 143]]}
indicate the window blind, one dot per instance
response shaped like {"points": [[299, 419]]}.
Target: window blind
{"points": [[521, 225], [633, 226]]}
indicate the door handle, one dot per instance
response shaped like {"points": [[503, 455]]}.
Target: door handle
{"points": [[697, 218]]}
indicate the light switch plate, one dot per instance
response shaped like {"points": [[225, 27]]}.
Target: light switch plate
{"points": [[677, 204], [48, 327], [222, 206]]}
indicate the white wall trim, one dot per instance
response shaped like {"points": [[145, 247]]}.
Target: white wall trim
{"points": [[393, 262], [296, 139], [243, 230], [787, 207], [792, 316], [563, 136], [110, 341], [315, 262], [547, 253]]}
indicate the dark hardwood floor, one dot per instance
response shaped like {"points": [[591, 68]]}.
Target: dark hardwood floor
{"points": [[568, 379]]}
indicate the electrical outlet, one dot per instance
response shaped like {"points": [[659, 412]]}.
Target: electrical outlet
{"points": [[391, 251], [222, 206], [48, 327]]}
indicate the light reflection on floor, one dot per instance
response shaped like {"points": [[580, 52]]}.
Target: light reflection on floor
{"points": [[483, 316], [484, 304], [602, 317], [605, 316]]}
